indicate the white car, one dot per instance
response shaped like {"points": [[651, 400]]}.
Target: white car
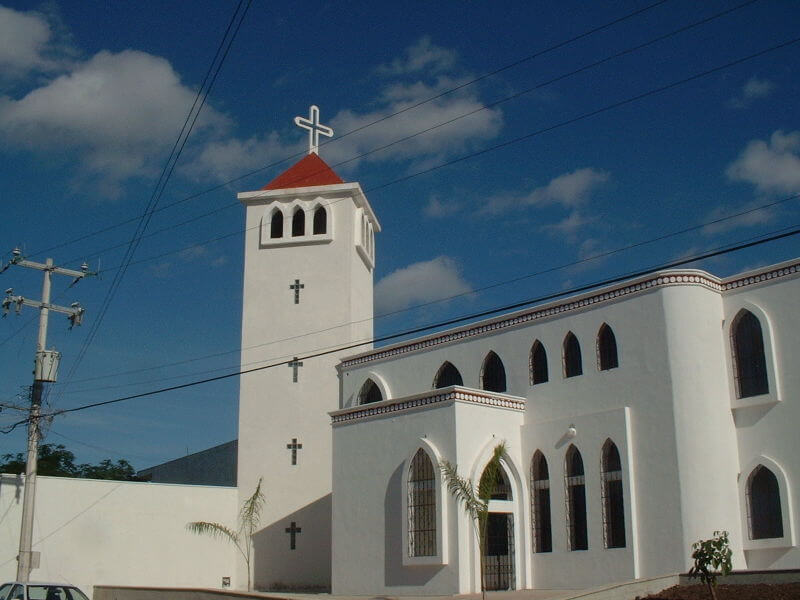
{"points": [[40, 591]]}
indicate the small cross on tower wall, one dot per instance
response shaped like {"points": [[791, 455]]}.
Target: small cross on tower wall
{"points": [[294, 364], [294, 447], [297, 286], [293, 531], [315, 128]]}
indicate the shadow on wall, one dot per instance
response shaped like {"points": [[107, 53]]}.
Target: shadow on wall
{"points": [[395, 573], [306, 567], [17, 481]]}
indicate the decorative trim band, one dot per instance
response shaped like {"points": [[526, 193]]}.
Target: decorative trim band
{"points": [[658, 280], [449, 395]]}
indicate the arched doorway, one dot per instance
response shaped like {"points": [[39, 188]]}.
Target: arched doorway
{"points": [[499, 556]]}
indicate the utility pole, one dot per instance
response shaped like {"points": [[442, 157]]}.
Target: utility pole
{"points": [[45, 370]]}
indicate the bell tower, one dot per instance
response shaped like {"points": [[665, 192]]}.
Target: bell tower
{"points": [[308, 272]]}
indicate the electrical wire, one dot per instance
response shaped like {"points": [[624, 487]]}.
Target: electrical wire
{"points": [[446, 92], [471, 292], [424, 328]]}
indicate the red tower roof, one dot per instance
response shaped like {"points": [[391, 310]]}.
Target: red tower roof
{"points": [[310, 171]]}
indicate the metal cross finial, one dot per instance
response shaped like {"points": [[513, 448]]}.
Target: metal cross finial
{"points": [[314, 128]]}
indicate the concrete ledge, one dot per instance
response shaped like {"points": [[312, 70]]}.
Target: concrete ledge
{"points": [[628, 590], [745, 577]]}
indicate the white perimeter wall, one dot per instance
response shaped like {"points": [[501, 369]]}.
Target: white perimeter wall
{"points": [[119, 533]]}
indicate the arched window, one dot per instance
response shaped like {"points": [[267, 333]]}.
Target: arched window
{"points": [[421, 506], [764, 504], [538, 363], [575, 484], [613, 500], [573, 366], [447, 375], [750, 364], [370, 392], [276, 225], [540, 504], [499, 488], [606, 349], [493, 374], [299, 222], [320, 220]]}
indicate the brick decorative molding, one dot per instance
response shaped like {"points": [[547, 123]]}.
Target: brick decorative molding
{"points": [[657, 280], [440, 396]]}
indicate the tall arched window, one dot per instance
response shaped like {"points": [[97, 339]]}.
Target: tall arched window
{"points": [[573, 365], [538, 363], [320, 220], [764, 504], [370, 392], [613, 500], [500, 487], [421, 506], [575, 484], [299, 222], [447, 375], [276, 225], [606, 349], [540, 504], [750, 364], [493, 374]]}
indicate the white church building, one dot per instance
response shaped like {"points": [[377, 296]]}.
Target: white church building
{"points": [[638, 419]]}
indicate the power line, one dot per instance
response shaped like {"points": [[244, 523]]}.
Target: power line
{"points": [[446, 92], [552, 269], [421, 329], [166, 172], [470, 113]]}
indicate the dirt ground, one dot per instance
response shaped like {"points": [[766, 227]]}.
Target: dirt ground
{"points": [[760, 591]]}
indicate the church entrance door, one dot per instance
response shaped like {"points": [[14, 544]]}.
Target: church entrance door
{"points": [[498, 563]]}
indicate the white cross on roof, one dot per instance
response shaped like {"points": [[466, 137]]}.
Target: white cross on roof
{"points": [[314, 128]]}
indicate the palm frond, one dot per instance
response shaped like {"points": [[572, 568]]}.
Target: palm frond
{"points": [[250, 514], [214, 530], [492, 473], [462, 489]]}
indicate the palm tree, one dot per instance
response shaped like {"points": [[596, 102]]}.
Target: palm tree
{"points": [[249, 518], [476, 501]]}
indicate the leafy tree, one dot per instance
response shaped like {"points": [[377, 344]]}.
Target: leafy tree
{"points": [[242, 538], [711, 554], [56, 461], [476, 501]]}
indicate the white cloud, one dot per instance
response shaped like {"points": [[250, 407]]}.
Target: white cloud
{"points": [[772, 166], [757, 217], [754, 89], [229, 158], [441, 141], [569, 225], [116, 110], [26, 43], [423, 55], [436, 208], [419, 283]]}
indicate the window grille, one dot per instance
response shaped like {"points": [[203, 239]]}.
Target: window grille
{"points": [[276, 225], [299, 223], [575, 498], [498, 561], [540, 504], [613, 501], [573, 365], [447, 375], [421, 506], [750, 364], [764, 515], [369, 393], [493, 374], [320, 221], [502, 488], [606, 349], [538, 363]]}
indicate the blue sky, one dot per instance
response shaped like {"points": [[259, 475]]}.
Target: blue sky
{"points": [[93, 94]]}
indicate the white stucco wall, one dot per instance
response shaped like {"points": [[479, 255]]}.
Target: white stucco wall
{"points": [[334, 309], [119, 533], [670, 407]]}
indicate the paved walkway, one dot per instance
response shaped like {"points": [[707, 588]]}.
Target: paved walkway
{"points": [[515, 595]]}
